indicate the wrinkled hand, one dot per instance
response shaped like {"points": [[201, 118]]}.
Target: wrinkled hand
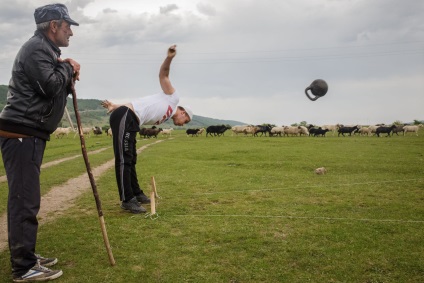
{"points": [[108, 105], [172, 51], [75, 66]]}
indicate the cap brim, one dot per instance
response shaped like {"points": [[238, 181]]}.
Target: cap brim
{"points": [[71, 21]]}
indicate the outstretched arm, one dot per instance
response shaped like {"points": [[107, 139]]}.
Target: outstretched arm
{"points": [[165, 83], [110, 106]]}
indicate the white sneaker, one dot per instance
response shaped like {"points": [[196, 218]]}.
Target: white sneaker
{"points": [[39, 273]]}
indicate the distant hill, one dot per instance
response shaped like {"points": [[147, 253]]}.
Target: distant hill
{"points": [[93, 114]]}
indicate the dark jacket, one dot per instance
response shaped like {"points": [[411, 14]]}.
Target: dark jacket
{"points": [[38, 89]]}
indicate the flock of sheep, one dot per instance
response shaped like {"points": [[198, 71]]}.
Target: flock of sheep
{"points": [[62, 132], [219, 130], [364, 130], [312, 130], [144, 132]]}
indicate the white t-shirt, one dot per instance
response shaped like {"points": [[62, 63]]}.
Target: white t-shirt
{"points": [[156, 109]]}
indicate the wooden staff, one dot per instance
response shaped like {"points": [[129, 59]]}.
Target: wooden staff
{"points": [[90, 175]]}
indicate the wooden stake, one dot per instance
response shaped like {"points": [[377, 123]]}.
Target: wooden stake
{"points": [[69, 119], [154, 187], [152, 203]]}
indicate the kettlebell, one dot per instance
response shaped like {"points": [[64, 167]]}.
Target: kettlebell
{"points": [[318, 88]]}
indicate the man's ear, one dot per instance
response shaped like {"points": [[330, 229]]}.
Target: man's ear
{"points": [[53, 26]]}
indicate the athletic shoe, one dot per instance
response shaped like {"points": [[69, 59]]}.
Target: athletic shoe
{"points": [[38, 273], [46, 261], [142, 198], [133, 206]]}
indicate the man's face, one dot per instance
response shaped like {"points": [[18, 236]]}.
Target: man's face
{"points": [[180, 118], [62, 33]]}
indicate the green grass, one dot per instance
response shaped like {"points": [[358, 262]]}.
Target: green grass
{"points": [[242, 209]]}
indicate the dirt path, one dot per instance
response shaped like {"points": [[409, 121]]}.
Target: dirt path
{"points": [[55, 162], [60, 198]]}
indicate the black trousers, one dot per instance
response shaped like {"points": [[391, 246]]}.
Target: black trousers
{"points": [[125, 126], [22, 160]]}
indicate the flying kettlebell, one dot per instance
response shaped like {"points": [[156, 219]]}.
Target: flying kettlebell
{"points": [[318, 88]]}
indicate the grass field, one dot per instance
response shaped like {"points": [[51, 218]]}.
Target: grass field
{"points": [[244, 209]]}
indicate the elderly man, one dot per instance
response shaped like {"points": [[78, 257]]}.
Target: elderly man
{"points": [[35, 105]]}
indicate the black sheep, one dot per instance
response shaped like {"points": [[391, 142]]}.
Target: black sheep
{"points": [[320, 132], [385, 130]]}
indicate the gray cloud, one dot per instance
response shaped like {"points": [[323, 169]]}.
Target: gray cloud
{"points": [[16, 13], [168, 8], [206, 9], [110, 11], [249, 60]]}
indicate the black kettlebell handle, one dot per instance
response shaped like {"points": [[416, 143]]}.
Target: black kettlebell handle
{"points": [[306, 92], [318, 88]]}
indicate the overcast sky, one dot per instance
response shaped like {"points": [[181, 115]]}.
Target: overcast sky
{"points": [[245, 60]]}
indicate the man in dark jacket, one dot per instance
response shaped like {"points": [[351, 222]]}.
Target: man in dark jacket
{"points": [[36, 101]]}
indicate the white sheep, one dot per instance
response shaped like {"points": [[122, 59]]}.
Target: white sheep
{"points": [[332, 128], [373, 128], [365, 131], [201, 130], [250, 130], [238, 129], [277, 131], [412, 129], [60, 132], [167, 132], [303, 131], [290, 130], [85, 131]]}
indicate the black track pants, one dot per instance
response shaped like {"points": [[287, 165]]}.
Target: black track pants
{"points": [[22, 161], [125, 126]]}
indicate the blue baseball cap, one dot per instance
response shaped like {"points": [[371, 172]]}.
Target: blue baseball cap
{"points": [[53, 12]]}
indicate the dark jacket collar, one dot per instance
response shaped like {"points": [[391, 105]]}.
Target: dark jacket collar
{"points": [[41, 34]]}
